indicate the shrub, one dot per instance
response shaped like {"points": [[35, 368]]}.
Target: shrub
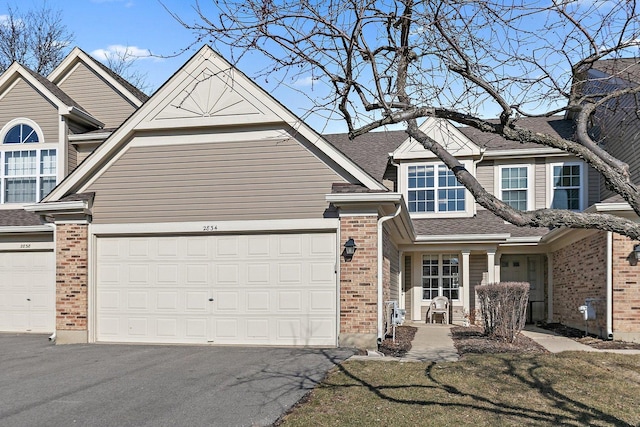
{"points": [[503, 307]]}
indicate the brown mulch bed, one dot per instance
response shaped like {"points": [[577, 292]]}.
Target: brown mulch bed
{"points": [[402, 343], [472, 340], [590, 340]]}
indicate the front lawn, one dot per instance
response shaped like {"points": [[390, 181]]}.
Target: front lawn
{"points": [[576, 389]]}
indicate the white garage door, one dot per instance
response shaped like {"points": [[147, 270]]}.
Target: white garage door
{"points": [[277, 289], [27, 292]]}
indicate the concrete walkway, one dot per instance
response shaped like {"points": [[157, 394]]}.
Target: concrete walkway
{"points": [[433, 343], [557, 343]]}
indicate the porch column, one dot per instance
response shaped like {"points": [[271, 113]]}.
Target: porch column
{"points": [[491, 266], [496, 267], [466, 286]]}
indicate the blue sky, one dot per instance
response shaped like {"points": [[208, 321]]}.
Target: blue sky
{"points": [[100, 26]]}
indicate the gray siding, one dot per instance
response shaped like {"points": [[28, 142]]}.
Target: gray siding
{"points": [[96, 96], [217, 181], [72, 158], [477, 271], [407, 286], [23, 100], [593, 186], [540, 197], [485, 175]]}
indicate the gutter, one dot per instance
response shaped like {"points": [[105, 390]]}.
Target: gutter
{"points": [[27, 229], [609, 285], [381, 221]]}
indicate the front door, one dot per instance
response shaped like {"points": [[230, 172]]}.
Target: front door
{"points": [[526, 268]]}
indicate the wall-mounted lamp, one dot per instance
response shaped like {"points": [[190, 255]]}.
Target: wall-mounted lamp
{"points": [[634, 256], [349, 249]]}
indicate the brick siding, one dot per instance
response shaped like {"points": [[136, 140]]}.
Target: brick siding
{"points": [[626, 287], [580, 272], [71, 277], [358, 277]]}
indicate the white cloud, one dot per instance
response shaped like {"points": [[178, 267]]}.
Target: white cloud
{"points": [[304, 81], [127, 53]]}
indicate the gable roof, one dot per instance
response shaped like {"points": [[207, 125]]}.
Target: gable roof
{"points": [[371, 151], [126, 89], [208, 92], [624, 68], [65, 104]]}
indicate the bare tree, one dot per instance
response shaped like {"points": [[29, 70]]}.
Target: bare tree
{"points": [[399, 62], [122, 60], [36, 38]]}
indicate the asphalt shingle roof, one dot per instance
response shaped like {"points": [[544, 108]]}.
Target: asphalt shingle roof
{"points": [[624, 68], [18, 218], [484, 222]]}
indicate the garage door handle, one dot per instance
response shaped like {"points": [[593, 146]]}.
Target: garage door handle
{"points": [[210, 299]]}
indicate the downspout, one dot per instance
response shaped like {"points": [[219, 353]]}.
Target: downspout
{"points": [[381, 221], [609, 285]]}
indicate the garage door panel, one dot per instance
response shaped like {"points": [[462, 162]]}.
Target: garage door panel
{"points": [[266, 289], [27, 292]]}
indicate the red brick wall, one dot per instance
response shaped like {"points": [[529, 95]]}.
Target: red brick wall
{"points": [[358, 277], [626, 287], [579, 272], [71, 276]]}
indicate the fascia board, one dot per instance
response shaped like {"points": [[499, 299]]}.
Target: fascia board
{"points": [[83, 117], [27, 229], [524, 152], [76, 206], [463, 238], [347, 198], [610, 207], [77, 55], [92, 137]]}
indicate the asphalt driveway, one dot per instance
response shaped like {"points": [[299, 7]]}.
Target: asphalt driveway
{"points": [[140, 385]]}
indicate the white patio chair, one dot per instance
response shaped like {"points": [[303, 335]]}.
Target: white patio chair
{"points": [[439, 305]]}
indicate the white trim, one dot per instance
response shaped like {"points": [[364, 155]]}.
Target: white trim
{"points": [[18, 121], [41, 208], [523, 152], [28, 246], [531, 180], [462, 238], [609, 285], [90, 137], [95, 164], [363, 197], [403, 186], [217, 227], [583, 182], [72, 61], [45, 228]]}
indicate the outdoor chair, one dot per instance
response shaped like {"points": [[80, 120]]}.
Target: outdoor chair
{"points": [[439, 305]]}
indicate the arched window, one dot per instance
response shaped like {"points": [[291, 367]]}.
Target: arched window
{"points": [[28, 167], [21, 133]]}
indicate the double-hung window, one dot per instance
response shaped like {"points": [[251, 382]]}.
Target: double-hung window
{"points": [[566, 181], [28, 172], [514, 186], [440, 276], [434, 188]]}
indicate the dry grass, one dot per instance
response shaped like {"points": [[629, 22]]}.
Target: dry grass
{"points": [[542, 389]]}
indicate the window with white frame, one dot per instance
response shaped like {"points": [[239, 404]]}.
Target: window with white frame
{"points": [[434, 188], [514, 186], [440, 276], [566, 181], [28, 172]]}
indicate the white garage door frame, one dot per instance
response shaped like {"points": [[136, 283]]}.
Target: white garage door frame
{"points": [[222, 228], [30, 250]]}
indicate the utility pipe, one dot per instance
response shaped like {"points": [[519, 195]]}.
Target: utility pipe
{"points": [[609, 285], [381, 221]]}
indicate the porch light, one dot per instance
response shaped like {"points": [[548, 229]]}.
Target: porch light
{"points": [[636, 251], [350, 248]]}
